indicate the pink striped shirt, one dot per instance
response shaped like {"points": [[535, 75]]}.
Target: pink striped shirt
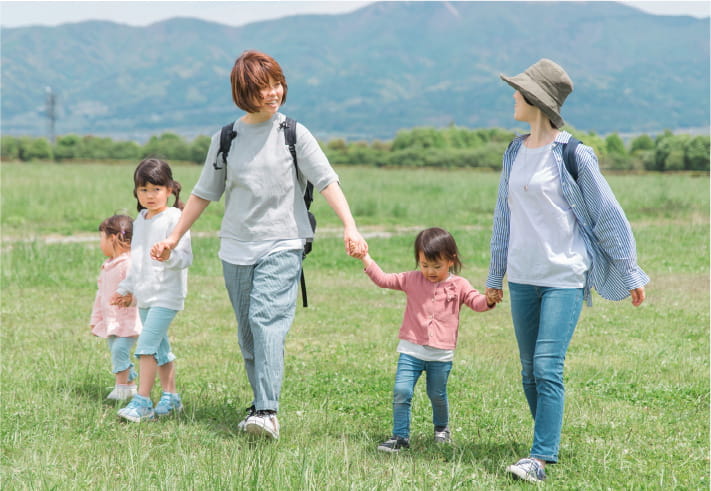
{"points": [[111, 320], [432, 313]]}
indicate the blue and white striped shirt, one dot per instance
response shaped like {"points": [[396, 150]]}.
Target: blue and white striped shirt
{"points": [[607, 232]]}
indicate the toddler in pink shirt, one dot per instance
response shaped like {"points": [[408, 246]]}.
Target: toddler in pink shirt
{"points": [[428, 334], [119, 325]]}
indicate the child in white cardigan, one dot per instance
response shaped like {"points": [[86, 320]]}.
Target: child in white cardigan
{"points": [[158, 287]]}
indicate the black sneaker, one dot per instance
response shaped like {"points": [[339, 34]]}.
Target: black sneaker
{"points": [[394, 444]]}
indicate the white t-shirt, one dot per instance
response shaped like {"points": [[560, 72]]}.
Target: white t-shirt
{"points": [[424, 353], [546, 247]]}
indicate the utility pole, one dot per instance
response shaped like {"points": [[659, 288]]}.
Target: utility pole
{"points": [[51, 112]]}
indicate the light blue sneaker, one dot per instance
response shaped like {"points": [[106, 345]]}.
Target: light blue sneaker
{"points": [[168, 404], [139, 409]]}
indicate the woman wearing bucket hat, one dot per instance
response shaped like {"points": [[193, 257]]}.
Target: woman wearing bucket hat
{"points": [[555, 238]]}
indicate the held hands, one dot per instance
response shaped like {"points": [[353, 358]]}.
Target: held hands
{"points": [[161, 250], [494, 296], [355, 244], [122, 300]]}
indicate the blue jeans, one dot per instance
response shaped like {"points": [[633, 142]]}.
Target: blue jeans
{"points": [[408, 372], [544, 320], [153, 339], [120, 349], [263, 296]]}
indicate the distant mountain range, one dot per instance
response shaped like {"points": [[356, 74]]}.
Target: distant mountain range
{"points": [[365, 74]]}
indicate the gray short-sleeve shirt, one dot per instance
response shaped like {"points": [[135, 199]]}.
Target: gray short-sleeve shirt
{"points": [[263, 197]]}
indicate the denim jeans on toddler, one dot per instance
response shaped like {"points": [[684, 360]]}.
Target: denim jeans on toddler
{"points": [[263, 296], [408, 372], [153, 339], [544, 320], [120, 349]]}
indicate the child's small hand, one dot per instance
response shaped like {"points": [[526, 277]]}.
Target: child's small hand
{"points": [[122, 300], [494, 296], [161, 250], [357, 254]]}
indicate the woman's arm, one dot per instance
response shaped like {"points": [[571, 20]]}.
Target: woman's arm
{"points": [[354, 242], [192, 211]]}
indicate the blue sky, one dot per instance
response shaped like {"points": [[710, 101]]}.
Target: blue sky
{"points": [[140, 13]]}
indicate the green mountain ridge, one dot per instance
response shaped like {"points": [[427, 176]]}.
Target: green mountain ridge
{"points": [[365, 74]]}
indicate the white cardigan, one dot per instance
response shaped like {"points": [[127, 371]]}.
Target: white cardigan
{"points": [[155, 283]]}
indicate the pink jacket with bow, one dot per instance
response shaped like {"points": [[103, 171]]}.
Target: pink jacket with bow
{"points": [[432, 313]]}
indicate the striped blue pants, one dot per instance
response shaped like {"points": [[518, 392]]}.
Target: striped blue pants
{"points": [[263, 296]]}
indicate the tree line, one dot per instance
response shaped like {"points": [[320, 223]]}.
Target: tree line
{"points": [[448, 147]]}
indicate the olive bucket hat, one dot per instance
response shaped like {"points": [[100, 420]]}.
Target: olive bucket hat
{"points": [[544, 84]]}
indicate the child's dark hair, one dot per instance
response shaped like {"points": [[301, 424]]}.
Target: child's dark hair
{"points": [[157, 172], [435, 243], [119, 225]]}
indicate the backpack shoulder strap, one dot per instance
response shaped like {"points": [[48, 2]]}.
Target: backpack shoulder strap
{"points": [[227, 134], [571, 163], [289, 126]]}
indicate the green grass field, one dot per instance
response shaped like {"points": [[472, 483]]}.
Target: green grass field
{"points": [[637, 407]]}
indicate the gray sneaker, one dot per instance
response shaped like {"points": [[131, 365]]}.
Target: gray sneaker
{"points": [[527, 470], [443, 436], [263, 423]]}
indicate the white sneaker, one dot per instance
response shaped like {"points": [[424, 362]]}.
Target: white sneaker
{"points": [[242, 425], [527, 470], [263, 424], [122, 392]]}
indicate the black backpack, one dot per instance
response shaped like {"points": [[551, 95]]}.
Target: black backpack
{"points": [[289, 126], [569, 159]]}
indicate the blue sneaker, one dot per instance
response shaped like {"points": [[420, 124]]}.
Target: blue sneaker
{"points": [[527, 470], [169, 403], [139, 409]]}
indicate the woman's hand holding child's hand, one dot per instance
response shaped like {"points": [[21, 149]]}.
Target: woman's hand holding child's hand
{"points": [[161, 250], [356, 246], [494, 296]]}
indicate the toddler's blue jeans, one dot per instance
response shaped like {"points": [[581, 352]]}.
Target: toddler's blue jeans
{"points": [[408, 372]]}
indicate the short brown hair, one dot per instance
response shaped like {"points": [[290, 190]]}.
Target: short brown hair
{"points": [[250, 74]]}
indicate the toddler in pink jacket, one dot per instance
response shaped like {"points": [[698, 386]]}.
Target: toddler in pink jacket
{"points": [[120, 326], [428, 334]]}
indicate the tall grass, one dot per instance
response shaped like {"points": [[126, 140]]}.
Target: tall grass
{"points": [[637, 408]]}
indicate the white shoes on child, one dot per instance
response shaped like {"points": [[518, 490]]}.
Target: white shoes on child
{"points": [[122, 392]]}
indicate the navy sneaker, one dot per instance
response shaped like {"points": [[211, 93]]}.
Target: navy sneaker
{"points": [[394, 444]]}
